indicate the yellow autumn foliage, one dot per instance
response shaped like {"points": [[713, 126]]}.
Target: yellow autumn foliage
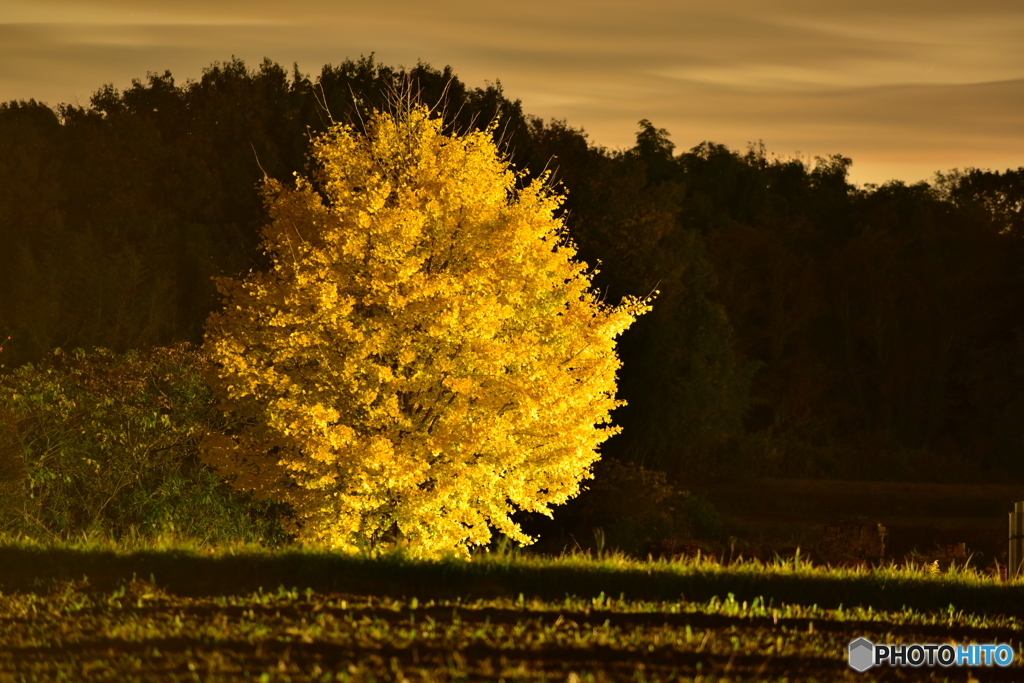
{"points": [[424, 357]]}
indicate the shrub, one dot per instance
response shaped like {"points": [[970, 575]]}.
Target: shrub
{"points": [[12, 465], [638, 511], [106, 444]]}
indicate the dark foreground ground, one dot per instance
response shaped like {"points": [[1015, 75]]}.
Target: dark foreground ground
{"points": [[185, 615]]}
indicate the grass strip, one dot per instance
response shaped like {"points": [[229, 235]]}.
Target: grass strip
{"points": [[25, 567]]}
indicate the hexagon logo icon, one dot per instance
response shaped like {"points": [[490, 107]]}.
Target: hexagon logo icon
{"points": [[862, 655]]}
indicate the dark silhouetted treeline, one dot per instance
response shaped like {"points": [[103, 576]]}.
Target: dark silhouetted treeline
{"points": [[804, 327]]}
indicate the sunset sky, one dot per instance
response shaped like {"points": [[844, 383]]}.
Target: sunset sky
{"points": [[904, 87]]}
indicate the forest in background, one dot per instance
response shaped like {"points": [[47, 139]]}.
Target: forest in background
{"points": [[804, 327]]}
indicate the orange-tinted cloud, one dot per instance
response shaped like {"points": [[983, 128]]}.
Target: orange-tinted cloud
{"points": [[904, 88]]}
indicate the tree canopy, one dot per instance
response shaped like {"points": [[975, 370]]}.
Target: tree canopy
{"points": [[805, 326], [425, 355]]}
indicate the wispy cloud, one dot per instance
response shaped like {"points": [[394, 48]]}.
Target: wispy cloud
{"points": [[904, 88]]}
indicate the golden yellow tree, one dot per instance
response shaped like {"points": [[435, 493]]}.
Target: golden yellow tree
{"points": [[425, 356]]}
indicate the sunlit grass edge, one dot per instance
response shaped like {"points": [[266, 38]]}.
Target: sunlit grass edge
{"points": [[508, 558]]}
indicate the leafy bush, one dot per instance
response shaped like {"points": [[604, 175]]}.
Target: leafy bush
{"points": [[106, 444], [12, 463], [636, 510]]}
